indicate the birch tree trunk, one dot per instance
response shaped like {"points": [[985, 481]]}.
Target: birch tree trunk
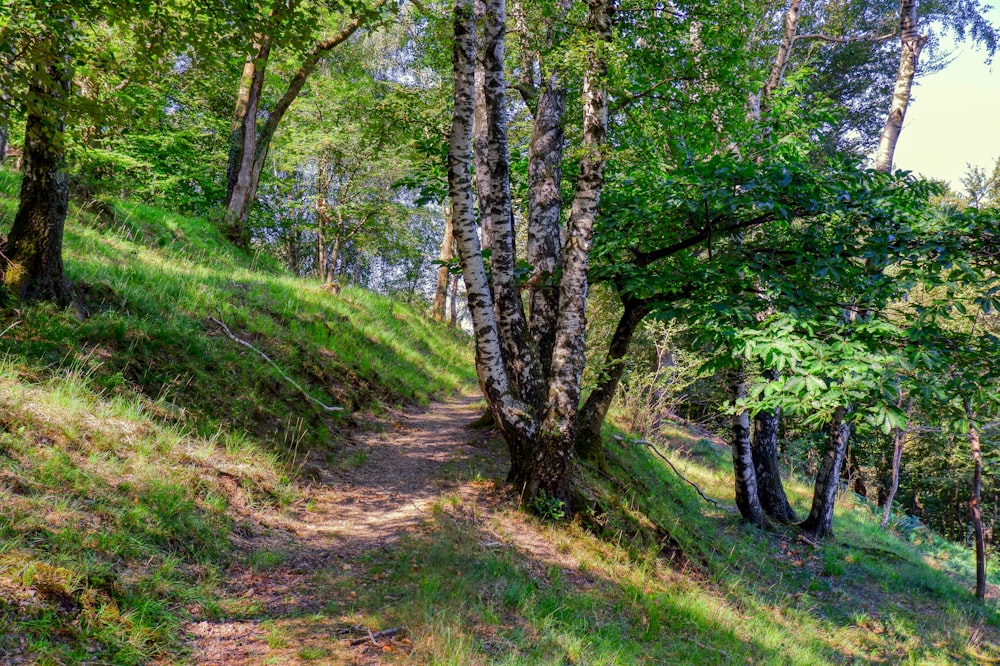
{"points": [[545, 153], [496, 214], [911, 42], [445, 255], [747, 500], [558, 431], [32, 257], [539, 431], [781, 58], [819, 523], [517, 425], [764, 451]]}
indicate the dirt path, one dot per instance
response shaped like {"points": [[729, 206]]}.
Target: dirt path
{"points": [[386, 489]]}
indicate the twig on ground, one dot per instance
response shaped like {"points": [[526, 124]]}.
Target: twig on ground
{"points": [[373, 637], [652, 447], [328, 408], [6, 330]]}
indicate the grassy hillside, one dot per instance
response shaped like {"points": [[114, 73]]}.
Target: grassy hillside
{"points": [[140, 446], [134, 441], [666, 578]]}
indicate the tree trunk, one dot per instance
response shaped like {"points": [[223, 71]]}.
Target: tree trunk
{"points": [[899, 439], [33, 266], [819, 523], [747, 499], [764, 451], [519, 352], [911, 43], [3, 142], [518, 426], [589, 445], [453, 321], [335, 251], [545, 152], [240, 183], [541, 453], [851, 473], [445, 255], [781, 58], [480, 149], [558, 431], [974, 501], [322, 220], [254, 147]]}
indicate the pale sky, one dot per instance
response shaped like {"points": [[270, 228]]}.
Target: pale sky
{"points": [[954, 118]]}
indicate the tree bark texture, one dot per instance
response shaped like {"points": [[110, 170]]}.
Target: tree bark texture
{"points": [[747, 499], [974, 502], [445, 255], [911, 42], [558, 431], [545, 153], [784, 51], [517, 425], [539, 434], [764, 451], [589, 445], [819, 523], [3, 142], [453, 319], [33, 264], [496, 213]]}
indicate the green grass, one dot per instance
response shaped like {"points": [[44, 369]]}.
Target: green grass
{"points": [[128, 438]]}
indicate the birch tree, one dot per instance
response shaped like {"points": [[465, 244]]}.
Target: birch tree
{"points": [[248, 144], [536, 417]]}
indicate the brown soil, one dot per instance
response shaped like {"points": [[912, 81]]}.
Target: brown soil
{"points": [[383, 489]]}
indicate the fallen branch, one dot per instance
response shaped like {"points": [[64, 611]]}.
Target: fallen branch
{"points": [[6, 330], [373, 637], [652, 447], [267, 358]]}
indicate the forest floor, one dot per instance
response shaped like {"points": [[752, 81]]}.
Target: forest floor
{"points": [[386, 487]]}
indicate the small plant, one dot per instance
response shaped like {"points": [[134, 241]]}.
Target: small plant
{"points": [[548, 508]]}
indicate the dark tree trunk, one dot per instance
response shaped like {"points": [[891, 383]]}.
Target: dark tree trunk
{"points": [[747, 500], [819, 523], [589, 445], [33, 268], [545, 152], [897, 458], [764, 451], [3, 142], [974, 502]]}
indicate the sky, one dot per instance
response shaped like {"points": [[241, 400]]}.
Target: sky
{"points": [[954, 118]]}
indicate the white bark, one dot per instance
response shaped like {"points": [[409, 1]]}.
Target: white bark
{"points": [[911, 43]]}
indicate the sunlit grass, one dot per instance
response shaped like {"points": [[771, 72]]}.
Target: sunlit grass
{"points": [[127, 438]]}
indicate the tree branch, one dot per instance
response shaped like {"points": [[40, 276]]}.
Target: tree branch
{"points": [[267, 358]]}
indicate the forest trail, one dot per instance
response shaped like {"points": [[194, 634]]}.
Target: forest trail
{"points": [[386, 489]]}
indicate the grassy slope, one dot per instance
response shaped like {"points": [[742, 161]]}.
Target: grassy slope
{"points": [[135, 444]]}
